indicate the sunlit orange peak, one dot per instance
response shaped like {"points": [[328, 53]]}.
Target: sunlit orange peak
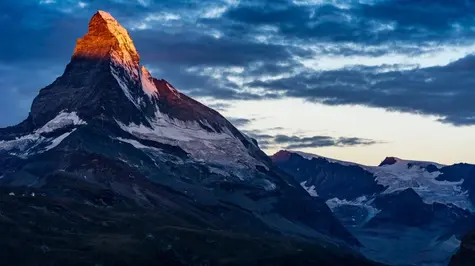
{"points": [[106, 38]]}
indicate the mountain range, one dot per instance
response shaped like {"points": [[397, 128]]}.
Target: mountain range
{"points": [[420, 209], [115, 167]]}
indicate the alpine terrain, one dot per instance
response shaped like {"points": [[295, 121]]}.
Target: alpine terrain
{"points": [[466, 254], [403, 212], [115, 167]]}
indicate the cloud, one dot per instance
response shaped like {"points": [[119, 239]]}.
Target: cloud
{"points": [[299, 142], [200, 50], [240, 122], [296, 142], [219, 106], [362, 22], [445, 91]]}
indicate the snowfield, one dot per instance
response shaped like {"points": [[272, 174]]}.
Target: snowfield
{"points": [[27, 145], [309, 189], [411, 174], [63, 119], [221, 148], [399, 176]]}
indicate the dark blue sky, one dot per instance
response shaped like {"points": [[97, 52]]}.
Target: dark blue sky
{"points": [[230, 50]]}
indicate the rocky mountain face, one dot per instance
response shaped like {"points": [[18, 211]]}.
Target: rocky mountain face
{"points": [[329, 179], [420, 209], [407, 208], [115, 167], [466, 254], [462, 173]]}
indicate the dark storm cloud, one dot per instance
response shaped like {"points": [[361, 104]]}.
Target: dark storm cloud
{"points": [[36, 34], [197, 48], [445, 91], [389, 21]]}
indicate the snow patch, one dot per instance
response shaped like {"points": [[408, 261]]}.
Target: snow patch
{"points": [[221, 148], [218, 171], [25, 145], [268, 185], [335, 202], [62, 120], [136, 144], [123, 86], [21, 143], [55, 142], [311, 189], [147, 83], [400, 176], [164, 127], [310, 156], [362, 202]]}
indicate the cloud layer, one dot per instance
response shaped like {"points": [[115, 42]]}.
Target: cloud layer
{"points": [[248, 50], [299, 142]]}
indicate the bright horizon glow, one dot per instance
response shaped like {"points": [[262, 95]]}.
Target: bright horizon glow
{"points": [[440, 57], [406, 136]]}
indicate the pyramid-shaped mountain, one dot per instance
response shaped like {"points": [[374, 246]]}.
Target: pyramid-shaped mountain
{"points": [[113, 166]]}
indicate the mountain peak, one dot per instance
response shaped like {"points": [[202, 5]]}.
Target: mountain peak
{"points": [[106, 39], [281, 155], [105, 15], [389, 161]]}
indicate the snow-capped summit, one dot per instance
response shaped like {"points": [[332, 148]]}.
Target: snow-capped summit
{"points": [[103, 79], [105, 83], [389, 161], [106, 38]]}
